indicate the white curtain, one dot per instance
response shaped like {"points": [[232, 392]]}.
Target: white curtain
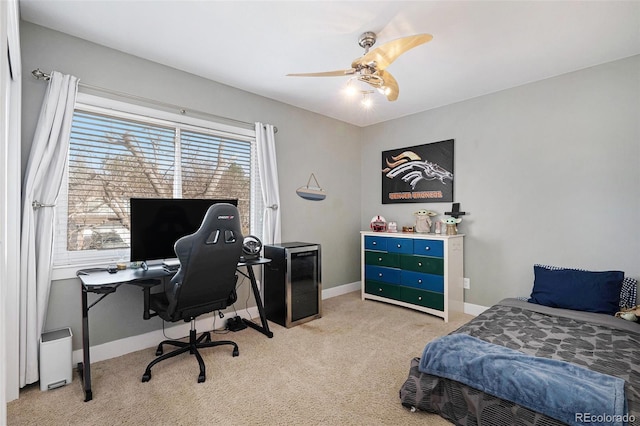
{"points": [[42, 182], [268, 170]]}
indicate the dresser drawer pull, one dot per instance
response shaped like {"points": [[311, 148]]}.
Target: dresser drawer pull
{"points": [[419, 263], [380, 274], [427, 248], [380, 290], [419, 297], [379, 259], [375, 243], [419, 281], [399, 245]]}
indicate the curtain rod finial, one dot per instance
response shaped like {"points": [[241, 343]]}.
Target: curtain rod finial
{"points": [[40, 75]]}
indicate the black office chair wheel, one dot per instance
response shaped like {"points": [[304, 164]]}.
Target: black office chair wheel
{"points": [[146, 377], [236, 352], [202, 378]]}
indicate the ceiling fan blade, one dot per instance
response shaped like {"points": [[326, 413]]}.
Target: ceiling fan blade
{"points": [[390, 88], [385, 54], [337, 73]]}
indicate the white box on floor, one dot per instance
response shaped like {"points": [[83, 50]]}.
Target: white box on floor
{"points": [[56, 361]]}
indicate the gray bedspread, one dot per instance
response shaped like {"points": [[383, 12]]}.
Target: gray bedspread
{"points": [[599, 342], [556, 388]]}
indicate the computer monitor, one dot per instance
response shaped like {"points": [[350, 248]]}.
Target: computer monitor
{"points": [[157, 223]]}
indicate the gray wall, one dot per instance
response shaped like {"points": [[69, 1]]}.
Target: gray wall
{"points": [[549, 171], [306, 142]]}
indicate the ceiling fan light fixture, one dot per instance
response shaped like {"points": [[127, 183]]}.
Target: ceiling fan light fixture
{"points": [[366, 101], [384, 90], [351, 89]]}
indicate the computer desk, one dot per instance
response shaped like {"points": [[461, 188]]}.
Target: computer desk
{"points": [[99, 281]]}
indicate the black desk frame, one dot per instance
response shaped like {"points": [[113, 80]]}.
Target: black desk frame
{"points": [[99, 281]]}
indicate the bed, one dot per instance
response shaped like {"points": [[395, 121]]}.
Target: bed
{"points": [[594, 342]]}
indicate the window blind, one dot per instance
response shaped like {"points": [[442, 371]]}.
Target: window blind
{"points": [[112, 159]]}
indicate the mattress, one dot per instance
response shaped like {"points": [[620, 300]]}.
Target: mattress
{"points": [[598, 342]]}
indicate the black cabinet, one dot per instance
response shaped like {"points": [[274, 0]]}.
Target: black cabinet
{"points": [[292, 284]]}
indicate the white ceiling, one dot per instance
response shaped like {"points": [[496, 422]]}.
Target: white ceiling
{"points": [[478, 47]]}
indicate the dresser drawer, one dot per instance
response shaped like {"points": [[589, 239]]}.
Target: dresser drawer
{"points": [[381, 258], [382, 273], [375, 243], [425, 264], [432, 248], [428, 299], [400, 245], [382, 289], [422, 281]]}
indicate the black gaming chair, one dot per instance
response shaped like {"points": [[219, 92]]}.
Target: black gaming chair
{"points": [[205, 282]]}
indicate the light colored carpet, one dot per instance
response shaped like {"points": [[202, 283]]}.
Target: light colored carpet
{"points": [[345, 368]]}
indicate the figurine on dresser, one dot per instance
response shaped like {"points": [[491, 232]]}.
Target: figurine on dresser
{"points": [[452, 225], [423, 221]]}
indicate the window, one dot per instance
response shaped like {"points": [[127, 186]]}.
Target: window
{"points": [[129, 151]]}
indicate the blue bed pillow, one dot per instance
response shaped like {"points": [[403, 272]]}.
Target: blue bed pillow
{"points": [[578, 290]]}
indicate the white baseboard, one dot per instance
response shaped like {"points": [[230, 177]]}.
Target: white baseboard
{"points": [[475, 310], [340, 290], [135, 343], [147, 340]]}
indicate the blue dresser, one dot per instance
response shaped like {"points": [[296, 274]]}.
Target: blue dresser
{"points": [[418, 271]]}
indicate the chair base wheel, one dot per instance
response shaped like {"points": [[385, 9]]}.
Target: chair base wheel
{"points": [[191, 347]]}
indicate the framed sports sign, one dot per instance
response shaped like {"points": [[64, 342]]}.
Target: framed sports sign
{"points": [[418, 174]]}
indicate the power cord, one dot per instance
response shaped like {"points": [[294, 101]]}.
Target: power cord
{"points": [[224, 330], [164, 332], [246, 304]]}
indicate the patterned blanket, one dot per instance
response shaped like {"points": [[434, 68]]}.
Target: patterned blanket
{"points": [[601, 343]]}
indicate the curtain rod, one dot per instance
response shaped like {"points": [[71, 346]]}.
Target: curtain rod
{"points": [[41, 75]]}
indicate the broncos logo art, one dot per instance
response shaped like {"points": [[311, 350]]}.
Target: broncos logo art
{"points": [[410, 166]]}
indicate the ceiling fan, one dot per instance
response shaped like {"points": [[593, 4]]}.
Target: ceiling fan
{"points": [[370, 68]]}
